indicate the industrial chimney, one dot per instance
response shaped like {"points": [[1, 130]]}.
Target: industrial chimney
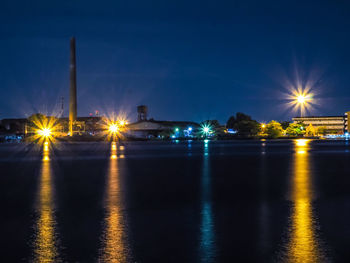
{"points": [[73, 88]]}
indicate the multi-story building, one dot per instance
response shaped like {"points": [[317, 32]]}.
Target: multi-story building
{"points": [[333, 124]]}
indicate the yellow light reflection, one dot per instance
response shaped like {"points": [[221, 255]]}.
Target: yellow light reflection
{"points": [[45, 241], [303, 244], [114, 249], [301, 142]]}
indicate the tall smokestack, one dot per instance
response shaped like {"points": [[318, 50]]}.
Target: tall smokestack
{"points": [[73, 88]]}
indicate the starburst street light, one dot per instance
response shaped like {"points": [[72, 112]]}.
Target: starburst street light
{"points": [[42, 129], [300, 99], [113, 128], [206, 130], [46, 132]]}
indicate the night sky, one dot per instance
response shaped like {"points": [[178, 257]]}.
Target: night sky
{"points": [[186, 60]]}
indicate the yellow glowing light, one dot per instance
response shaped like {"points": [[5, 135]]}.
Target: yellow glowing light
{"points": [[46, 132], [263, 125], [113, 128], [46, 245], [114, 247], [303, 245], [43, 129], [301, 99], [114, 150], [302, 142]]}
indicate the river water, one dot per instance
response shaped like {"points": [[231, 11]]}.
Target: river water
{"points": [[237, 201]]}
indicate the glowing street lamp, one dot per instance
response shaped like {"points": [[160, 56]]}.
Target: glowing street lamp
{"points": [[206, 129], [45, 132], [42, 129], [113, 128], [122, 122], [302, 99]]}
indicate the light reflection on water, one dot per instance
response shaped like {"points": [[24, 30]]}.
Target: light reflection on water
{"points": [[207, 234], [114, 247], [45, 243], [304, 244]]}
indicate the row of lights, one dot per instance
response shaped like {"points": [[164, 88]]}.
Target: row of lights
{"points": [[205, 131], [115, 127]]}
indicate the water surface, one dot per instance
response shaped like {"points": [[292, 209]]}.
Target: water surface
{"points": [[251, 201]]}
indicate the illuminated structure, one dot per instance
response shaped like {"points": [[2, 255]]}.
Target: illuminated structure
{"points": [[161, 129], [332, 124], [63, 125], [73, 88], [149, 128]]}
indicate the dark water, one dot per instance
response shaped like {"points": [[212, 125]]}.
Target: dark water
{"points": [[246, 201]]}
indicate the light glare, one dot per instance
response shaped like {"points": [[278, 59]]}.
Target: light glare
{"points": [[113, 128], [46, 132], [301, 99]]}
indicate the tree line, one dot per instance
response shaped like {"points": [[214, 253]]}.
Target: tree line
{"points": [[243, 125]]}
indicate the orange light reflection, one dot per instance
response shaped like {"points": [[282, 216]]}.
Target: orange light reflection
{"points": [[303, 245], [114, 248], [45, 242]]}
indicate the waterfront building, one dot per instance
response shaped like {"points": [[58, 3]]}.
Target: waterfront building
{"points": [[332, 124], [162, 129]]}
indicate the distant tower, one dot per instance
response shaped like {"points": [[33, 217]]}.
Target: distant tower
{"points": [[142, 113], [73, 87]]}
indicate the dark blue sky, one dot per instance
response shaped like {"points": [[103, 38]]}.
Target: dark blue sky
{"points": [[186, 60]]}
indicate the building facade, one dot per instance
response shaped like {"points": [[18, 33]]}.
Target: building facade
{"points": [[147, 129], [332, 124]]}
